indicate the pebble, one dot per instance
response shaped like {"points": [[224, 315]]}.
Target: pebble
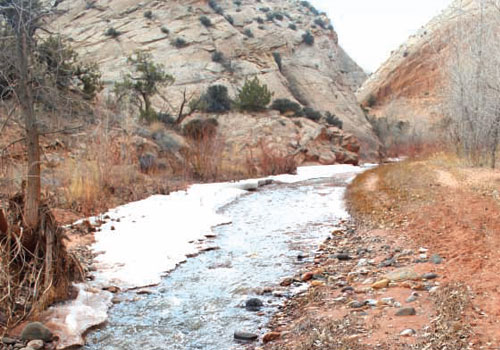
{"points": [[381, 284], [433, 290], [401, 275], [406, 311], [35, 344], [362, 262], [286, 282], [429, 276], [407, 332], [144, 292], [268, 337], [245, 336], [307, 276], [423, 250], [356, 304], [436, 259], [301, 256], [8, 341], [343, 257], [253, 304], [412, 297], [422, 256], [388, 301], [347, 289], [387, 262], [317, 283], [371, 302]]}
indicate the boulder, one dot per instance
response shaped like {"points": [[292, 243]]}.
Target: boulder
{"points": [[35, 331]]}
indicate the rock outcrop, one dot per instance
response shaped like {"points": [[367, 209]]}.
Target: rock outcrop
{"points": [[263, 39], [412, 82]]}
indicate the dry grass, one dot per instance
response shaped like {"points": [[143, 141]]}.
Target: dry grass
{"points": [[106, 165], [450, 329], [270, 162]]}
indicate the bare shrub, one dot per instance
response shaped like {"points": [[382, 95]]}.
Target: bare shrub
{"points": [[473, 106], [35, 270], [108, 164], [204, 156], [271, 162]]}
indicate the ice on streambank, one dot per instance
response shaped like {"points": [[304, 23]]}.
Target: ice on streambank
{"points": [[70, 320], [143, 240]]}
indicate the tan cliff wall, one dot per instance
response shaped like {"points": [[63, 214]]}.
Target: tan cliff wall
{"points": [[321, 76]]}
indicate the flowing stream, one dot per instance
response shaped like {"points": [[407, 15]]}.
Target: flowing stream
{"points": [[201, 303]]}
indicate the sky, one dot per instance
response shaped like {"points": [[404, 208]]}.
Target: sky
{"points": [[370, 29]]}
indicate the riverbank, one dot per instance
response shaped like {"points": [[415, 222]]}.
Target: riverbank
{"points": [[417, 268], [138, 243]]}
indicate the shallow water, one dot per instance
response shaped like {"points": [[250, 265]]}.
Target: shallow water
{"points": [[201, 303]]}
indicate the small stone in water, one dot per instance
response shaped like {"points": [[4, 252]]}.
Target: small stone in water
{"points": [[245, 336], [253, 304]]}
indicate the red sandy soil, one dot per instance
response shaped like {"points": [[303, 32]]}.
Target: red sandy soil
{"points": [[451, 211]]}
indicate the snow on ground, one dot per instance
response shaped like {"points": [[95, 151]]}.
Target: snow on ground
{"points": [[154, 235], [144, 240]]}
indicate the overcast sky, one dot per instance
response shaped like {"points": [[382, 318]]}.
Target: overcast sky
{"points": [[370, 29]]}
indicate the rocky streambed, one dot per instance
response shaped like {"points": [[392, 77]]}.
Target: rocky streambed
{"points": [[228, 294]]}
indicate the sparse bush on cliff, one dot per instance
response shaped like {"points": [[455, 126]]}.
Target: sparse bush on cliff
{"points": [[312, 114], [229, 19], [180, 43], [148, 14], [248, 32], [292, 26], [264, 9], [320, 23], [309, 6], [214, 100], [253, 96], [284, 105], [218, 57], [308, 38], [371, 101], [165, 30], [277, 59], [259, 20], [141, 85], [112, 32], [205, 21], [214, 5], [237, 2], [332, 119]]}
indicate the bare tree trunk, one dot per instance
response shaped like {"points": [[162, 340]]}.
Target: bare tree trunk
{"points": [[496, 141], [33, 188]]}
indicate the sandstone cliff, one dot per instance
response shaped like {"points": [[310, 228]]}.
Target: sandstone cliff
{"points": [[257, 38], [411, 84]]}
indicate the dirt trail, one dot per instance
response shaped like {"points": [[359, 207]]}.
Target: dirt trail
{"points": [[436, 250]]}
